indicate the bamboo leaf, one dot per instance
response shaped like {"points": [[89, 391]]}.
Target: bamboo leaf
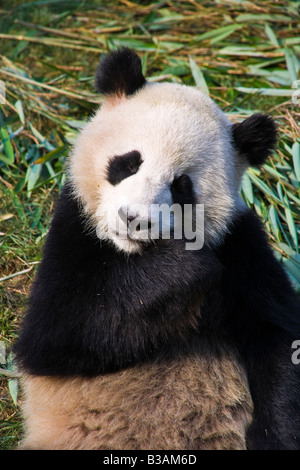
{"points": [[273, 218], [280, 193], [296, 159], [6, 217], [19, 108], [217, 32], [17, 205], [291, 66], [275, 173], [247, 188], [291, 224], [225, 33], [13, 386], [33, 174], [241, 50], [8, 149], [7, 161], [51, 155], [198, 77], [281, 77], [292, 268], [288, 214], [262, 17], [271, 35], [263, 187], [266, 91], [36, 217]]}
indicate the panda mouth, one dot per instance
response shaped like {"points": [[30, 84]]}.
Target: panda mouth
{"points": [[133, 229], [127, 236]]}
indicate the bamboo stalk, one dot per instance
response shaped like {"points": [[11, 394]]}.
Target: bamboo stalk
{"points": [[50, 42], [9, 373], [16, 274], [59, 32], [90, 98]]}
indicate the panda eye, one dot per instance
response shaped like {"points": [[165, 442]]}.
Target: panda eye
{"points": [[123, 166], [182, 190]]}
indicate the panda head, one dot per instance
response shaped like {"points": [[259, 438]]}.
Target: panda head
{"points": [[151, 144]]}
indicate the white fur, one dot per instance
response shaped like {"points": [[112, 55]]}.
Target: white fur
{"points": [[177, 129]]}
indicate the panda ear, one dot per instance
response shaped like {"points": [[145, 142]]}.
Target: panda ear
{"points": [[255, 138], [120, 73]]}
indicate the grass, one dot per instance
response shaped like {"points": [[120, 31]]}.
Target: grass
{"points": [[244, 54]]}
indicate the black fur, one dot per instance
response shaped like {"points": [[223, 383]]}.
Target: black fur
{"points": [[255, 138], [120, 72], [123, 166], [263, 319], [182, 190], [94, 310]]}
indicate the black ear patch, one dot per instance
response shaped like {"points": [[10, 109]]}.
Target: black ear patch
{"points": [[120, 72], [255, 138]]}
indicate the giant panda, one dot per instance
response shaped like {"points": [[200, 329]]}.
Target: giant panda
{"points": [[131, 342]]}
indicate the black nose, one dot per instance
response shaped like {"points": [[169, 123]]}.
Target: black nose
{"points": [[130, 218], [141, 224], [125, 217]]}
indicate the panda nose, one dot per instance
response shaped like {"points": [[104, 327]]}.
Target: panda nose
{"points": [[125, 217], [141, 224], [128, 218]]}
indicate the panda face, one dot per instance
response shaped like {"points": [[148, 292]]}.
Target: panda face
{"points": [[166, 144]]}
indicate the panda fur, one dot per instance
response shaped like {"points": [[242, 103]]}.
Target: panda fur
{"points": [[134, 345]]}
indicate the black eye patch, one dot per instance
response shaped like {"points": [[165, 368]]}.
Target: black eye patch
{"points": [[123, 166], [182, 190]]}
